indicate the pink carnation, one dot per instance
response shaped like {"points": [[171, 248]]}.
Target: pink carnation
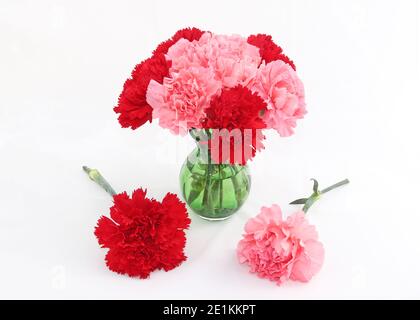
{"points": [[181, 100], [279, 249], [233, 60], [278, 84], [199, 70]]}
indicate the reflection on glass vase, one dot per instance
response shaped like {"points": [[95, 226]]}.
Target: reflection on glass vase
{"points": [[211, 190]]}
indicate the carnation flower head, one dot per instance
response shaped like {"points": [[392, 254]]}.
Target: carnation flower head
{"points": [[181, 100], [280, 87], [189, 34], [236, 108], [132, 105], [278, 249], [238, 111], [143, 234], [269, 51], [232, 60]]}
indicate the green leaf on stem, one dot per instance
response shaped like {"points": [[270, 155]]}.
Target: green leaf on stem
{"points": [[315, 187], [193, 195], [299, 201]]}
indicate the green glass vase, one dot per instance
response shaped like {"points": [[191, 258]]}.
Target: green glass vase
{"points": [[212, 191]]}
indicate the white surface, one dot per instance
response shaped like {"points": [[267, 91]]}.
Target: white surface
{"points": [[62, 67]]}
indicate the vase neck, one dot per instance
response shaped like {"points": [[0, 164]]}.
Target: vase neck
{"points": [[201, 138]]}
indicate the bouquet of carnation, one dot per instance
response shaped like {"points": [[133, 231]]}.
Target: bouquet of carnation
{"points": [[223, 90]]}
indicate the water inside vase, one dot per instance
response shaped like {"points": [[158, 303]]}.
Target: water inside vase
{"points": [[213, 191]]}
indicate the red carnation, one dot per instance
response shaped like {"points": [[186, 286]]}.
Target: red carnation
{"points": [[132, 106], [269, 51], [188, 33], [239, 111], [143, 234]]}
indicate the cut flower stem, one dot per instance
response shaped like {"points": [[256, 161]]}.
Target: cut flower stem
{"points": [[96, 176], [316, 195], [336, 185]]}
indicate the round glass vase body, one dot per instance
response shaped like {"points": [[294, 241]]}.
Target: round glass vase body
{"points": [[213, 191]]}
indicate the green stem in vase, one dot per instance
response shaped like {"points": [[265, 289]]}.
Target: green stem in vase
{"points": [[236, 184], [316, 195], [96, 176], [221, 186], [206, 195]]}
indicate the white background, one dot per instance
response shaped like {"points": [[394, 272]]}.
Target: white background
{"points": [[62, 67]]}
